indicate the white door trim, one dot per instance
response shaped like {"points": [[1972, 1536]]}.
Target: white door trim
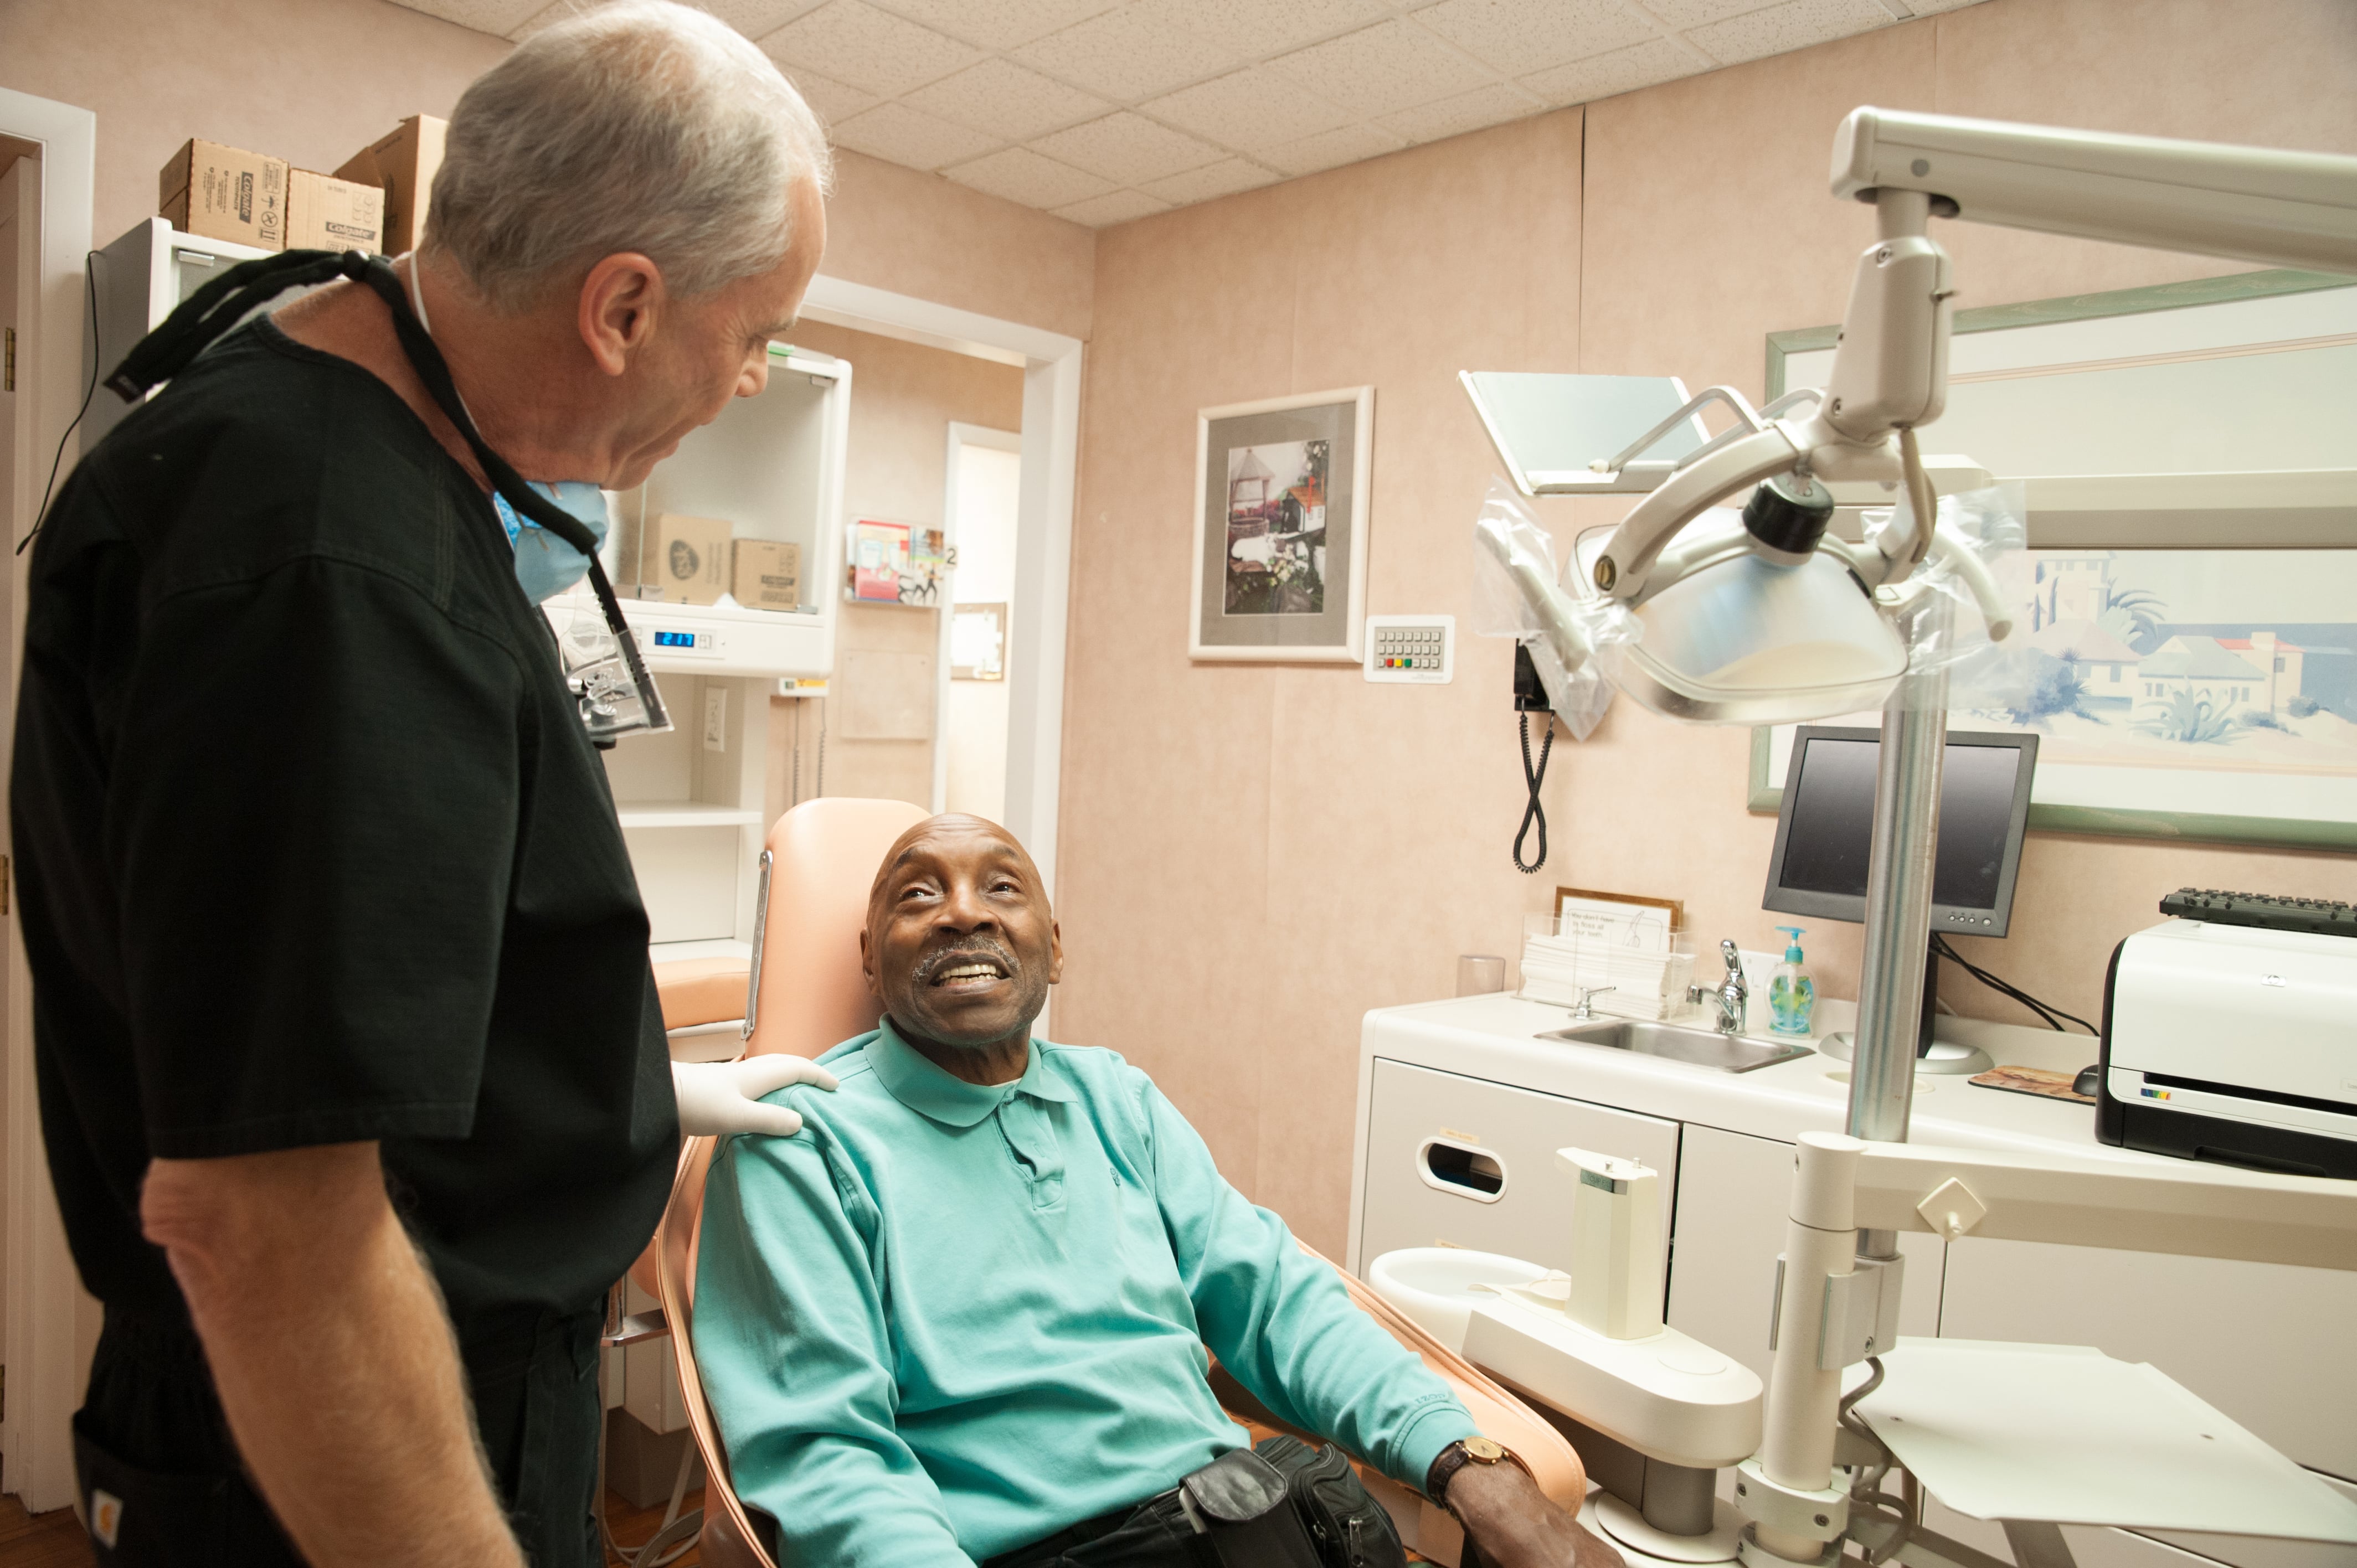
{"points": [[41, 1351], [1043, 534], [961, 435]]}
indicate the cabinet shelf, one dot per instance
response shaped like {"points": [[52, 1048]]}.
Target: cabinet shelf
{"points": [[686, 814]]}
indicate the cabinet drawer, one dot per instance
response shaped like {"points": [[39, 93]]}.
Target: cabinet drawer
{"points": [[1468, 1163]]}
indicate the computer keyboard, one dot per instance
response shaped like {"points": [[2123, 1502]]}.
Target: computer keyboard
{"points": [[2261, 909]]}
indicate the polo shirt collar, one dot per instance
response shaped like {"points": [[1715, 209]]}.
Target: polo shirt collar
{"points": [[925, 1089]]}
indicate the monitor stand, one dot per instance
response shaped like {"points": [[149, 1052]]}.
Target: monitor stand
{"points": [[1933, 1056]]}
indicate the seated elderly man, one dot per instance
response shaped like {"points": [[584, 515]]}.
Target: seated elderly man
{"points": [[963, 1318]]}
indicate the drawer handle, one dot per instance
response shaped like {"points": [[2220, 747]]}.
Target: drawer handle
{"points": [[1461, 1169]]}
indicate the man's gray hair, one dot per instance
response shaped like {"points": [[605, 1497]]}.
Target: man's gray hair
{"points": [[643, 126]]}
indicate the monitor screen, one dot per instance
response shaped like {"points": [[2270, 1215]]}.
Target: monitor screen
{"points": [[1824, 831]]}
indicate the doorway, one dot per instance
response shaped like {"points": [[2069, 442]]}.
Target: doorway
{"points": [[985, 480]]}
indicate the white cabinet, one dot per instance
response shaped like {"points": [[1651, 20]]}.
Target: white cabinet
{"points": [[1456, 1161]]}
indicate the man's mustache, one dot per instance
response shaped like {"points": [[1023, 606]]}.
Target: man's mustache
{"points": [[970, 949]]}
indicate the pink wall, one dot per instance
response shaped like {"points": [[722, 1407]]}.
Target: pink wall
{"points": [[315, 80], [1252, 856]]}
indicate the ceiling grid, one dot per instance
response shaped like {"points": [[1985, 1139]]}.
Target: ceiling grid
{"points": [[1106, 110]]}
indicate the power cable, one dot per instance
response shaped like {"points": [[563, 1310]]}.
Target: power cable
{"points": [[2046, 1010], [90, 291]]}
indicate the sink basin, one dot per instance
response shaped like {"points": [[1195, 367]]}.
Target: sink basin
{"points": [[1702, 1047]]}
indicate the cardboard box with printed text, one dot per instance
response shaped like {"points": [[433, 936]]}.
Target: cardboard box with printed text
{"points": [[224, 193], [767, 574], [324, 213], [402, 166], [687, 557]]}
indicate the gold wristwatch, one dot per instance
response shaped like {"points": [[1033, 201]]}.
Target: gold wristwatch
{"points": [[1454, 1457]]}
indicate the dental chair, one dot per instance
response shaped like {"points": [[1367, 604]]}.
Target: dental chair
{"points": [[808, 996]]}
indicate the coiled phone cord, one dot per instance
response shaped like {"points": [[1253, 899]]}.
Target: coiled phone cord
{"points": [[1533, 814]]}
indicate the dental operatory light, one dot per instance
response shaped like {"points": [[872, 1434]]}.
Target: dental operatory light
{"points": [[1765, 617]]}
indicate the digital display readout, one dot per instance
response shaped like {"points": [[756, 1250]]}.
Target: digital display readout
{"points": [[675, 640]]}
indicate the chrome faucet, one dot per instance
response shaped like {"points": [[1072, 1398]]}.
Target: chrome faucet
{"points": [[1731, 994], [1584, 1012]]}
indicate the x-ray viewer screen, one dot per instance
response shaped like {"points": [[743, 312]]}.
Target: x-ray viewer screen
{"points": [[1828, 845]]}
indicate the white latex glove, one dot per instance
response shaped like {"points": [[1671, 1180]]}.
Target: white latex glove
{"points": [[726, 1097]]}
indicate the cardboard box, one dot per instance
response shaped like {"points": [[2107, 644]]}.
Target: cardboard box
{"points": [[766, 574], [687, 557], [402, 166], [324, 213], [225, 193]]}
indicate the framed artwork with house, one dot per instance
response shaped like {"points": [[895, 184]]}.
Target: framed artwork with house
{"points": [[1280, 532], [2189, 606]]}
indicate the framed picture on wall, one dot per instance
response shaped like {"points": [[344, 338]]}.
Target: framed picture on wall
{"points": [[1281, 493], [2186, 610]]}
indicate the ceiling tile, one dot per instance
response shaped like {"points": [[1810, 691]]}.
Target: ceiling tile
{"points": [[1928, 7], [1006, 99], [899, 134], [1126, 56], [996, 24], [1624, 70], [1684, 13], [1018, 173], [1491, 105], [497, 18], [1246, 110], [856, 43], [1127, 149], [1225, 177], [1258, 28], [833, 100], [1521, 35], [1390, 65], [1796, 23], [1119, 207], [1330, 149], [757, 18]]}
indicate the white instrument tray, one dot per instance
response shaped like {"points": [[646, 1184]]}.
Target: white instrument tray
{"points": [[2065, 1434]]}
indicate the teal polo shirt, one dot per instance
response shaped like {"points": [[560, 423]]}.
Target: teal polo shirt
{"points": [[948, 1320]]}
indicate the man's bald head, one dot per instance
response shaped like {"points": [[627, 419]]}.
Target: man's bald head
{"points": [[961, 944]]}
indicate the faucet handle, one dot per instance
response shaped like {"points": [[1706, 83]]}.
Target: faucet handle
{"points": [[1727, 950]]}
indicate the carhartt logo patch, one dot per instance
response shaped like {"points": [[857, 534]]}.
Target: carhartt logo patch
{"points": [[105, 1516]]}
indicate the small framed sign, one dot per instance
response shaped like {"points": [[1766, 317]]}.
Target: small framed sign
{"points": [[1280, 560], [978, 642]]}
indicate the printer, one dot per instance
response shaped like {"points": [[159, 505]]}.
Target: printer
{"points": [[2230, 1034]]}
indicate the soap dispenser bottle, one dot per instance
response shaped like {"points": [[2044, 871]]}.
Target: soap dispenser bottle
{"points": [[1792, 994]]}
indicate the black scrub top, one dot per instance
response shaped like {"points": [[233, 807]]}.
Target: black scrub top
{"points": [[313, 849]]}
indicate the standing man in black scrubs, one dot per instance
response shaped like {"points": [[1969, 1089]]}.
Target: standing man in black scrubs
{"points": [[352, 1068]]}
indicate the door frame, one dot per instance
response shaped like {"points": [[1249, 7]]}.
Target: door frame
{"points": [[1041, 609], [44, 1344], [960, 434]]}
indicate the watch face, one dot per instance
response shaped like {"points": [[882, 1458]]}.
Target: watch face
{"points": [[1483, 1450]]}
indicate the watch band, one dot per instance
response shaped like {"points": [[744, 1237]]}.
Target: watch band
{"points": [[1454, 1457]]}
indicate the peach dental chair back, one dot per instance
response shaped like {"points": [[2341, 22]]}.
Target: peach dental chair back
{"points": [[808, 996]]}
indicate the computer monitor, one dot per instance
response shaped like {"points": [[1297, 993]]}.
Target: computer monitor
{"points": [[1824, 834], [1824, 828]]}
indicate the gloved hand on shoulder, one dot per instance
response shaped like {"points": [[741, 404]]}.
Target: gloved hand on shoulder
{"points": [[726, 1097]]}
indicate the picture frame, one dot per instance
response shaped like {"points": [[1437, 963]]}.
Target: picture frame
{"points": [[2194, 629], [978, 642], [1282, 492]]}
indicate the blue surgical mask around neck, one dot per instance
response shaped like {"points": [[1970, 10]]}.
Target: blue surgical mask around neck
{"points": [[544, 564]]}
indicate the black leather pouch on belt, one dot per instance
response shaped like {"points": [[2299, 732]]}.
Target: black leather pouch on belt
{"points": [[1240, 1501]]}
